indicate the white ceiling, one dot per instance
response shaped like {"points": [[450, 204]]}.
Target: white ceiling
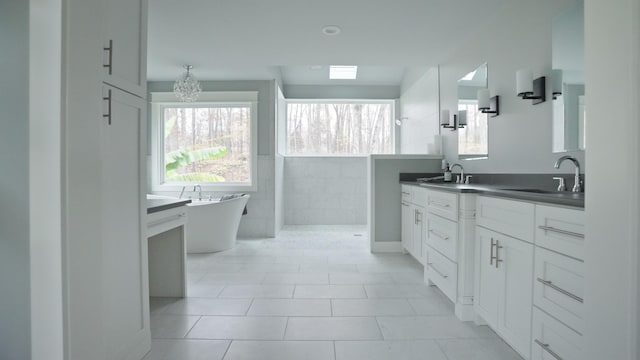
{"points": [[264, 39]]}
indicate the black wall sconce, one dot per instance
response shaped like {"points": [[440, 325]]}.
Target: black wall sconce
{"points": [[529, 89], [488, 104], [454, 122]]}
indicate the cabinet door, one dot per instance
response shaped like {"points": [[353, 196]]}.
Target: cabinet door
{"points": [[418, 234], [125, 44], [515, 263], [406, 231], [123, 236], [487, 281]]}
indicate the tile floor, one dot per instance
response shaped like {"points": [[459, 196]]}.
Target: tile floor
{"points": [[313, 293]]}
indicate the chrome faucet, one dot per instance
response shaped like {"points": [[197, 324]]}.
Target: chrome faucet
{"points": [[460, 178], [199, 189], [577, 183]]}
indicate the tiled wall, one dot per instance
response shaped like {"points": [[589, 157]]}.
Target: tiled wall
{"points": [[260, 218], [325, 190]]}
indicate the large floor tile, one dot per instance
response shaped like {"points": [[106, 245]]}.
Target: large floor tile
{"points": [[187, 350], [171, 326], [290, 307], [329, 292], [399, 291], [430, 327], [327, 268], [206, 306], [389, 350], [257, 291], [297, 278], [239, 328], [281, 350], [371, 307], [333, 328], [359, 278], [477, 349], [158, 305], [432, 305], [271, 268], [232, 278], [204, 290]]}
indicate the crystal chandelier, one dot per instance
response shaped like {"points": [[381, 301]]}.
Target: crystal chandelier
{"points": [[187, 88]]}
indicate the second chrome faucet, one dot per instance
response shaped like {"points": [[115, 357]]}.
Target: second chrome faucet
{"points": [[577, 182]]}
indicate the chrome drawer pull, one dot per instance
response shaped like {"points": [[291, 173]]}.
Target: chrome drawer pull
{"points": [[560, 231], [437, 271], [443, 237], [439, 204], [561, 290], [546, 348], [406, 193]]}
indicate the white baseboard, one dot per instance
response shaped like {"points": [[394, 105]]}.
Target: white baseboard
{"points": [[386, 247]]}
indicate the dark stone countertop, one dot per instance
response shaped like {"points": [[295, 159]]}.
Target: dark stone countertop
{"points": [[509, 191], [160, 204]]}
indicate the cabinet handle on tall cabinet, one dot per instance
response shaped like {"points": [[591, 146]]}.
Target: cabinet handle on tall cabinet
{"points": [[491, 257], [108, 99], [497, 257], [109, 64]]}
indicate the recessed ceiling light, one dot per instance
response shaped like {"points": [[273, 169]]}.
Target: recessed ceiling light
{"points": [[343, 72], [331, 30]]}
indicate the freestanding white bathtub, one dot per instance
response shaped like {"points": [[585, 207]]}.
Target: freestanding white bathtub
{"points": [[213, 224]]}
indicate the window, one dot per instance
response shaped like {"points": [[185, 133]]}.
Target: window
{"points": [[210, 142], [473, 138], [340, 127]]}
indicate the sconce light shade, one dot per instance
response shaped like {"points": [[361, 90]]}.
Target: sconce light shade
{"points": [[529, 89], [487, 104], [449, 122], [556, 83], [462, 118]]}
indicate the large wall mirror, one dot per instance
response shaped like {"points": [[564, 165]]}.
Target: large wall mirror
{"points": [[568, 79], [473, 139]]}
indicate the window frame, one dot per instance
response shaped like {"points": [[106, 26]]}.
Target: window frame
{"points": [[474, 156], [392, 102], [160, 100]]}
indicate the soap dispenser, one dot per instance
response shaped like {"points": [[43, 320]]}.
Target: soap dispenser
{"points": [[447, 173]]}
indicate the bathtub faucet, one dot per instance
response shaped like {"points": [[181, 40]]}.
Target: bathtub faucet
{"points": [[199, 189]]}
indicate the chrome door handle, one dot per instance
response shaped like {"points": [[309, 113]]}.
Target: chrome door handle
{"points": [[560, 290], [438, 235], [497, 257], [437, 271], [108, 100], [546, 348], [439, 204], [491, 257], [109, 65], [560, 231]]}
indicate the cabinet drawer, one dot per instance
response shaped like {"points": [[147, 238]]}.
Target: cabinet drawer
{"points": [[561, 230], [407, 191], [443, 203], [552, 339], [442, 235], [442, 272], [513, 218], [419, 196], [558, 287]]}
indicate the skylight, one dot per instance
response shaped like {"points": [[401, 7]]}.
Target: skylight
{"points": [[343, 72], [470, 75]]}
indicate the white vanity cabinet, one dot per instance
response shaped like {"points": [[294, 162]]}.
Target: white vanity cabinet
{"points": [[558, 284], [412, 213], [504, 269], [448, 247], [125, 45]]}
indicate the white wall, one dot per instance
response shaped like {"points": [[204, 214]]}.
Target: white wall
{"points": [[612, 301], [15, 339], [325, 190], [260, 220], [520, 139], [419, 104], [279, 159], [45, 179]]}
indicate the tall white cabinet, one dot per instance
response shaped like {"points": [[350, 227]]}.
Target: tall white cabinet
{"points": [[105, 267]]}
